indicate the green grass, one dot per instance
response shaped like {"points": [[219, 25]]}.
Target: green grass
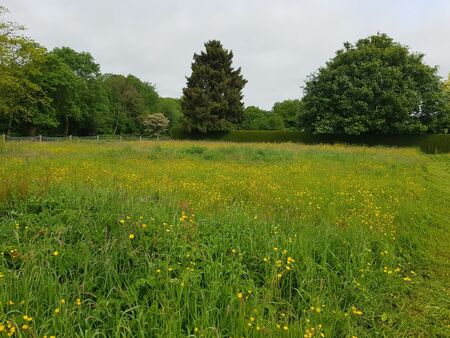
{"points": [[229, 240]]}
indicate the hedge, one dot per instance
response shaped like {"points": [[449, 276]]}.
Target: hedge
{"points": [[428, 143]]}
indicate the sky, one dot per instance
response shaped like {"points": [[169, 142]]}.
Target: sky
{"points": [[277, 43]]}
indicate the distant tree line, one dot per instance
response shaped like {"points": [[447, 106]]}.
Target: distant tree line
{"points": [[374, 86], [62, 92]]}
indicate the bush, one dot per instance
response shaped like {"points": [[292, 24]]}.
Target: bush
{"points": [[436, 143]]}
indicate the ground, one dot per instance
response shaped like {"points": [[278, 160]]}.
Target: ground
{"points": [[213, 239]]}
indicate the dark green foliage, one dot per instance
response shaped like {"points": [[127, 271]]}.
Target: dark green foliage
{"points": [[171, 108], [129, 98], [374, 86], [257, 119], [290, 111], [212, 99], [438, 143]]}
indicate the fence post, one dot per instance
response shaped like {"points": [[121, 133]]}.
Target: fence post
{"points": [[157, 137], [40, 138], [4, 138], [140, 138], [70, 138], [120, 138], [98, 138]]}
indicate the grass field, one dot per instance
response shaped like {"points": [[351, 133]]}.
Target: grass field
{"points": [[197, 239]]}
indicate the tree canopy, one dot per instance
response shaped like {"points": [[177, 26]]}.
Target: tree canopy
{"points": [[212, 98], [374, 86]]}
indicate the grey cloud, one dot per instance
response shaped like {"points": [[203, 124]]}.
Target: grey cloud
{"points": [[277, 43]]}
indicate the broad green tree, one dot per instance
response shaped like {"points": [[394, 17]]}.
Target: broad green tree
{"points": [[258, 119], [212, 98], [79, 97], [171, 108], [290, 111], [374, 86], [23, 103]]}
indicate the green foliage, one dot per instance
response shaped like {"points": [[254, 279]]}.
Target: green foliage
{"points": [[434, 143], [212, 98], [291, 111], [171, 108], [258, 119], [374, 86], [22, 100], [129, 98]]}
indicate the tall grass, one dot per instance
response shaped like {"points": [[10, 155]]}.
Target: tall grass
{"points": [[205, 239]]}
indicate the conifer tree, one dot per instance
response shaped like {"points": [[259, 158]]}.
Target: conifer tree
{"points": [[212, 99]]}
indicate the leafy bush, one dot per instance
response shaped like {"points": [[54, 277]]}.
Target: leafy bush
{"points": [[437, 143]]}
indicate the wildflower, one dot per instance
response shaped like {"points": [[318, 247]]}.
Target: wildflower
{"points": [[158, 270], [25, 327], [265, 259], [275, 248], [356, 311], [57, 311], [170, 269], [62, 301], [78, 301], [284, 252], [252, 319], [279, 275], [27, 318], [290, 260], [195, 329], [10, 302], [240, 295], [131, 236], [233, 250], [407, 279], [285, 328], [55, 253], [2, 328], [144, 225], [122, 221]]}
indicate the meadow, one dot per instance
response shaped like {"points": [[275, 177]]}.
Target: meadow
{"points": [[214, 239]]}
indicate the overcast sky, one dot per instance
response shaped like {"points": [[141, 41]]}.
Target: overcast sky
{"points": [[277, 43]]}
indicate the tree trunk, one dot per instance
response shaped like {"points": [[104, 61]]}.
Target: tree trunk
{"points": [[66, 131], [32, 131], [117, 124], [8, 133]]}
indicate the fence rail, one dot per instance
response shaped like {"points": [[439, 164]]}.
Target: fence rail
{"points": [[41, 138]]}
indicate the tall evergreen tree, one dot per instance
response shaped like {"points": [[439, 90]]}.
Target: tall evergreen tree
{"points": [[212, 99]]}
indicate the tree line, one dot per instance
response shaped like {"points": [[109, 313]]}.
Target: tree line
{"points": [[63, 92], [375, 86]]}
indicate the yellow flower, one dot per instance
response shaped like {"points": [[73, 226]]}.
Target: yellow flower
{"points": [[158, 270], [2, 327], [407, 279], [62, 301], [285, 328], [131, 236], [78, 301], [170, 269], [356, 311], [25, 327], [10, 302], [290, 260], [275, 248], [122, 221], [57, 310], [240, 295], [55, 253], [279, 275], [265, 259], [144, 225], [27, 318]]}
